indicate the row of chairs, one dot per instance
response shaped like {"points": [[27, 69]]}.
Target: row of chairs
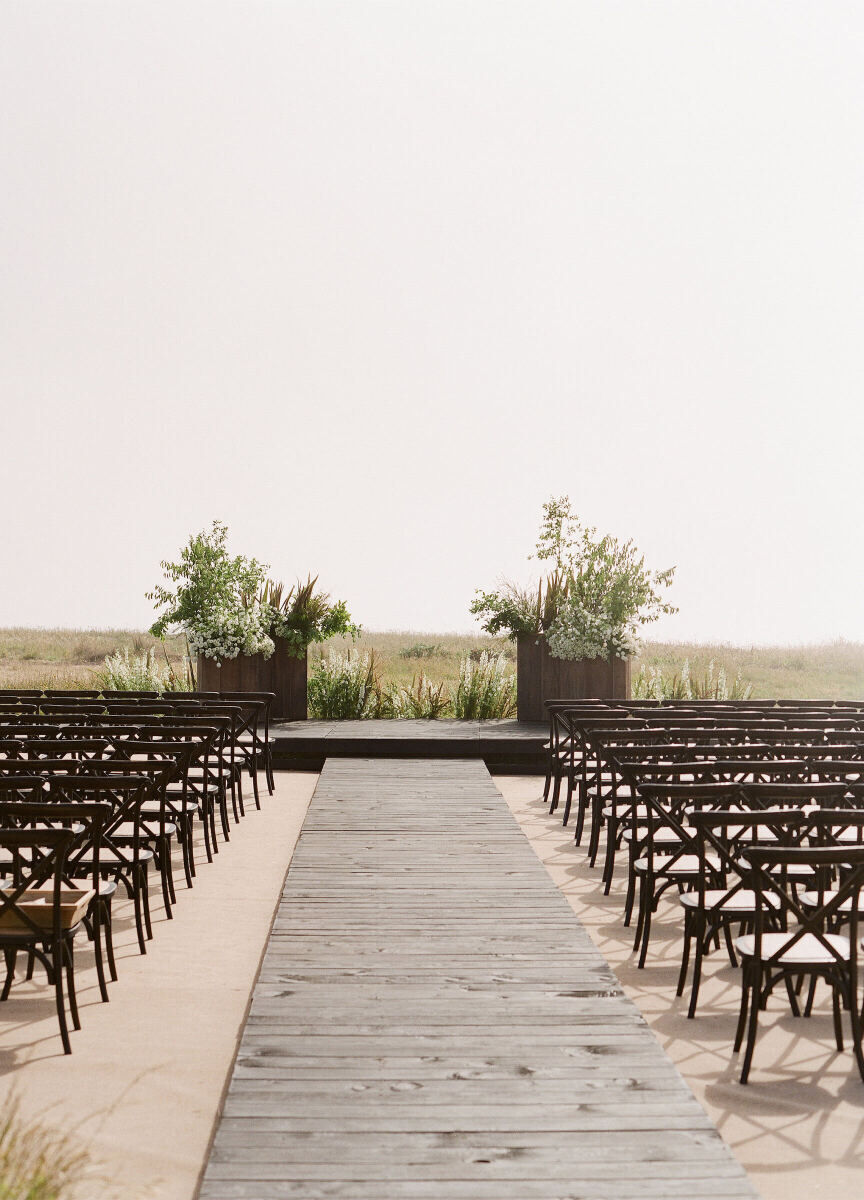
{"points": [[94, 792], [754, 818]]}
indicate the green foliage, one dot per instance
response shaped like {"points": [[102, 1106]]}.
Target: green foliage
{"points": [[486, 689], [207, 578], [508, 650], [423, 650], [516, 610], [304, 615], [37, 1162], [344, 687], [227, 606], [597, 594], [422, 700], [652, 684]]}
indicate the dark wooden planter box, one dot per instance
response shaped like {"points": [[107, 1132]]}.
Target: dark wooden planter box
{"points": [[541, 677], [281, 673]]}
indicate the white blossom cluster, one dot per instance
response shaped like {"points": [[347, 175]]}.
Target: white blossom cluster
{"points": [[487, 688], [343, 687], [493, 671], [224, 632], [578, 633]]}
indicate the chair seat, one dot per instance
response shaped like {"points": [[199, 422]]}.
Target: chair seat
{"points": [[625, 811], [174, 808], [665, 837], [742, 901], [176, 789], [816, 899], [684, 864], [109, 859], [124, 835], [807, 951]]}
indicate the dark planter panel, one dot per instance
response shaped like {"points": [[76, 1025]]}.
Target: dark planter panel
{"points": [[542, 677], [282, 674]]}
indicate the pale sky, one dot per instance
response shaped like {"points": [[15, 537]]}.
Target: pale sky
{"points": [[370, 280]]}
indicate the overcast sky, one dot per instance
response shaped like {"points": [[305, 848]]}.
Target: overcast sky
{"points": [[370, 280]]}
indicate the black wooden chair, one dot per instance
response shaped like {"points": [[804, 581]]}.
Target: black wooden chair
{"points": [[719, 898], [808, 945], [33, 917]]}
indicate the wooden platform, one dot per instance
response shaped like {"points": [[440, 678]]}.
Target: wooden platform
{"points": [[432, 1023], [504, 746]]}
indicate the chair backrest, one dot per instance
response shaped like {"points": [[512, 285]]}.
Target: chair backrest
{"points": [[72, 693], [118, 694], [723, 835], [126, 794], [772, 795], [34, 862], [86, 820], [665, 808], [773, 875], [71, 747]]}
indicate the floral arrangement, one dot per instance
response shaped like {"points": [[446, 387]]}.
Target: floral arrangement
{"points": [[593, 602], [226, 605], [304, 615]]}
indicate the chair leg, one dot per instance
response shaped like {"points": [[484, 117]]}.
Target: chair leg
{"points": [[68, 950], [689, 922], [234, 809], [697, 972], [556, 789], [57, 967], [96, 923], [184, 830], [811, 996], [646, 931], [631, 892], [855, 1024], [223, 814], [611, 847], [205, 821], [145, 901], [254, 774], [742, 1012], [11, 957], [547, 782], [730, 945], [838, 1024], [569, 801], [109, 939], [580, 816], [752, 1024], [139, 919], [793, 999]]}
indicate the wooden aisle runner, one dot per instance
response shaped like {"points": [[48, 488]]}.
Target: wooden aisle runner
{"points": [[433, 1023]]}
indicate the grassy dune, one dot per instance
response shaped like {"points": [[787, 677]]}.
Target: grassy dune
{"points": [[67, 657], [71, 657]]}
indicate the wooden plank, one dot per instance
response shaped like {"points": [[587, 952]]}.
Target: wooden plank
{"points": [[510, 744], [431, 1021]]}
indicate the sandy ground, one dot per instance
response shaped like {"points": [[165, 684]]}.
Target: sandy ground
{"points": [[145, 1079], [798, 1125]]}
